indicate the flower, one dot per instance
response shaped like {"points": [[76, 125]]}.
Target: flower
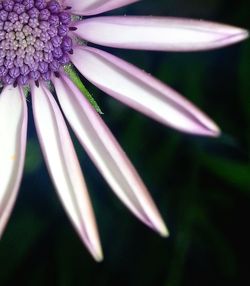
{"points": [[37, 39]]}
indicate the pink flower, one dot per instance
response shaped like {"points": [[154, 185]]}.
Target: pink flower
{"points": [[37, 43]]}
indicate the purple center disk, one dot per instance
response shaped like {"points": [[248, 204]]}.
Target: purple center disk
{"points": [[33, 40]]}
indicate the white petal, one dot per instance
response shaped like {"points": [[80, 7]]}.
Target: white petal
{"points": [[13, 130], [107, 155], [64, 167], [141, 91], [94, 7], [159, 34]]}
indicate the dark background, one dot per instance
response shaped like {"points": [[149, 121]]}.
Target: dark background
{"points": [[201, 185]]}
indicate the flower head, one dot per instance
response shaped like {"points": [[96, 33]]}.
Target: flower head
{"points": [[38, 38]]}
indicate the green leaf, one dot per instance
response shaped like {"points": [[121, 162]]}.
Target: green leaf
{"points": [[217, 242], [33, 159], [235, 173], [18, 244], [77, 81]]}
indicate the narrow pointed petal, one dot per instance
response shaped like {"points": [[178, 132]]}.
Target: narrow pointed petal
{"points": [[159, 34], [13, 131], [141, 91], [94, 7], [64, 167], [107, 155]]}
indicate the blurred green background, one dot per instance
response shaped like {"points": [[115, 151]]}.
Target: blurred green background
{"points": [[201, 185]]}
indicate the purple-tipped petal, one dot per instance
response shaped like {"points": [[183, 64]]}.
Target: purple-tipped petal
{"points": [[159, 34], [64, 167], [107, 155], [141, 91], [13, 130], [94, 7]]}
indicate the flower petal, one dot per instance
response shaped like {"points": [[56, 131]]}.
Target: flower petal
{"points": [[94, 7], [158, 33], [13, 130], [64, 167], [141, 91], [107, 155]]}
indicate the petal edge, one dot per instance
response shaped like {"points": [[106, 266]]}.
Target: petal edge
{"points": [[13, 111], [141, 91], [94, 7], [107, 155], [64, 167], [158, 33]]}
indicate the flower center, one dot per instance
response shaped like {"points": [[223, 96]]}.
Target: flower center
{"points": [[33, 40]]}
